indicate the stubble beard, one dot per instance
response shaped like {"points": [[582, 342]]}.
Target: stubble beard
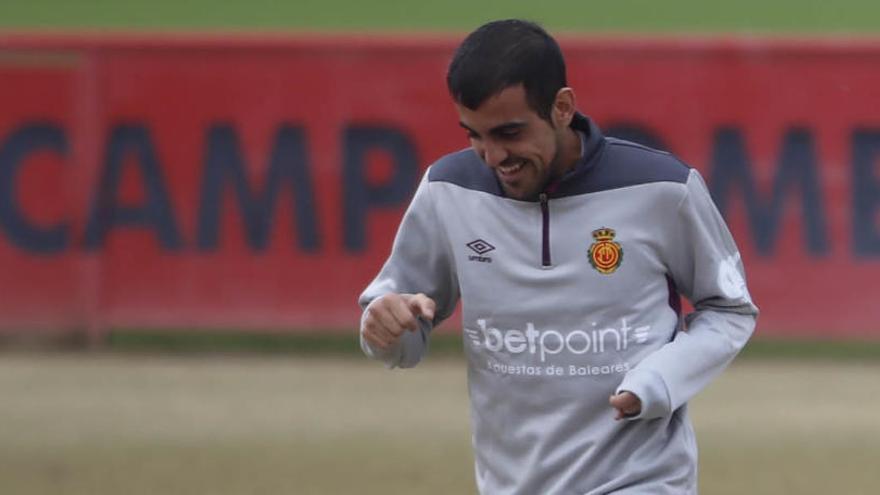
{"points": [[542, 177]]}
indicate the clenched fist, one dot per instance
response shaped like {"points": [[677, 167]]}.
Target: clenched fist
{"points": [[387, 317]]}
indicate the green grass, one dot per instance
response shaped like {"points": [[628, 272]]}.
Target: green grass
{"points": [[107, 424], [444, 343], [692, 16], [330, 342]]}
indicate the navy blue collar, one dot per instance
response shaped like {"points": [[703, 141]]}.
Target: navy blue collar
{"points": [[592, 143]]}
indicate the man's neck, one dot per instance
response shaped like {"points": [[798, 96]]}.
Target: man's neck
{"points": [[571, 151]]}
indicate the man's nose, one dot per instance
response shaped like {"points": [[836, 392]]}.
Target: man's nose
{"points": [[493, 154]]}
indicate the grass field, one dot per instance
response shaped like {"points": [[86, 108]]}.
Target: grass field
{"points": [[778, 16], [108, 424]]}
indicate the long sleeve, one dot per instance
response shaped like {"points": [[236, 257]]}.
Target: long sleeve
{"points": [[705, 265], [420, 261]]}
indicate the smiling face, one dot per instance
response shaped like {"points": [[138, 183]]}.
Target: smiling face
{"points": [[524, 150]]}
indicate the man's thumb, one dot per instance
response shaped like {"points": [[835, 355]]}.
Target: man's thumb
{"points": [[422, 305]]}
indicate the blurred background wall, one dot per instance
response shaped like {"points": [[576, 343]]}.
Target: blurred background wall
{"points": [[176, 176]]}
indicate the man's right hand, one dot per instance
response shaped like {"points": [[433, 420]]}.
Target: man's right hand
{"points": [[389, 316]]}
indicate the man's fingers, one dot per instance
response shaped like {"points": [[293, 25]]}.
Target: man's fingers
{"points": [[376, 337], [380, 327], [383, 314], [627, 401], [626, 404], [422, 305], [391, 315], [403, 315]]}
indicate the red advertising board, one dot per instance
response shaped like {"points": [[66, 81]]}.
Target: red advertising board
{"points": [[236, 182]]}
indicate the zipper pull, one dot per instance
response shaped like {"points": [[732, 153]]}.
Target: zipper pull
{"points": [[545, 232]]}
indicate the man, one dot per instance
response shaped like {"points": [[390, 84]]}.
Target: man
{"points": [[569, 251]]}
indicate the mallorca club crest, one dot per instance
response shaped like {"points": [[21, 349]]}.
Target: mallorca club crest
{"points": [[605, 254]]}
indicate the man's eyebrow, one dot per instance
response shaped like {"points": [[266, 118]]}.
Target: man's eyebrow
{"points": [[466, 127], [507, 127], [500, 129]]}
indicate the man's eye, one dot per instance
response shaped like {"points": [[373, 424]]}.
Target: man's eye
{"points": [[510, 133], [473, 135]]}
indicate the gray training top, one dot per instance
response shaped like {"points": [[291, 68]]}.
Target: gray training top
{"points": [[568, 300]]}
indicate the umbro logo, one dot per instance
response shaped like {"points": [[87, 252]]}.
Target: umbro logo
{"points": [[480, 247]]}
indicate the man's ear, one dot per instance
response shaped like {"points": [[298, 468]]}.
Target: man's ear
{"points": [[564, 108]]}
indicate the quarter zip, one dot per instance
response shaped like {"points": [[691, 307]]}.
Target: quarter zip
{"points": [[545, 232]]}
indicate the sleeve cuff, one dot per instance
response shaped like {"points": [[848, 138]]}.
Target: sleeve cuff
{"points": [[651, 390]]}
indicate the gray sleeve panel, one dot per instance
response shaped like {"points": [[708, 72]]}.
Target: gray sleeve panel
{"points": [[464, 168], [705, 264], [628, 164], [420, 262], [618, 164]]}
